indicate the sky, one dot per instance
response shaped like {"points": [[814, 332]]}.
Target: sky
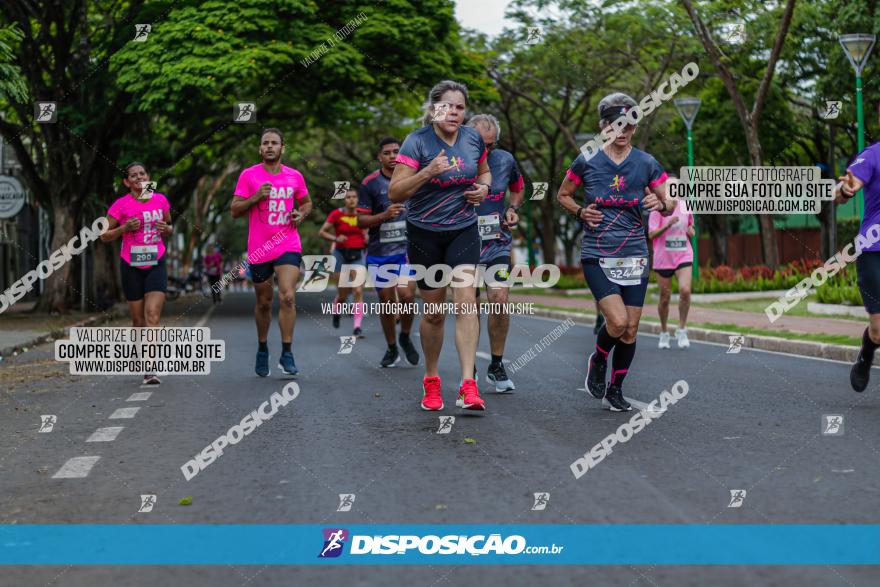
{"points": [[486, 16]]}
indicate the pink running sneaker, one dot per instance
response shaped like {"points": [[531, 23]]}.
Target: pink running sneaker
{"points": [[469, 396], [433, 399]]}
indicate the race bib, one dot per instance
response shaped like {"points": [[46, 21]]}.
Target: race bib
{"points": [[676, 244], [144, 256], [624, 271], [392, 232], [490, 227]]}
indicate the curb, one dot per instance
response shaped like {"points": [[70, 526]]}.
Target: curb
{"points": [[804, 348], [116, 311]]}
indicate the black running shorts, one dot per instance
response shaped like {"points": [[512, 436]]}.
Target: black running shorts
{"points": [[446, 247], [137, 282]]}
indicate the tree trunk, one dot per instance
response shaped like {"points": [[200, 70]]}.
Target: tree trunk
{"points": [[765, 221], [55, 292], [547, 231], [106, 270]]}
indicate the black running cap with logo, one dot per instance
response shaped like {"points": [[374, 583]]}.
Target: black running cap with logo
{"points": [[612, 113]]}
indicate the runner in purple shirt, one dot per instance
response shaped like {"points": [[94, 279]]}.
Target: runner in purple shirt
{"points": [[442, 175], [496, 219], [864, 173], [618, 183]]}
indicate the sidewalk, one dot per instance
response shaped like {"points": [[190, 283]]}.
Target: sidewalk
{"points": [[20, 329], [789, 334], [802, 324]]}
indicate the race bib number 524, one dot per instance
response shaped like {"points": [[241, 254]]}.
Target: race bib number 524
{"points": [[624, 271]]}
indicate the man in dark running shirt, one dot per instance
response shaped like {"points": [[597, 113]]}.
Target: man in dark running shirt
{"points": [[496, 219], [386, 252]]}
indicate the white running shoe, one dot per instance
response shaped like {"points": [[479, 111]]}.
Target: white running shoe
{"points": [[681, 337], [664, 341]]}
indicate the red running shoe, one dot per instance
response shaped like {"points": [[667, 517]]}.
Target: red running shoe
{"points": [[469, 396], [433, 399]]}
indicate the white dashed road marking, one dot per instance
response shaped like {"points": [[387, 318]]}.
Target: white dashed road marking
{"points": [[76, 468], [140, 396], [105, 434], [122, 413]]}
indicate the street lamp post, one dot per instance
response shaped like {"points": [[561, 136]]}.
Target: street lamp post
{"points": [[857, 48], [688, 108]]}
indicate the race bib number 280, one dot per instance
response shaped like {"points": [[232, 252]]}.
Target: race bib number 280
{"points": [[144, 256], [624, 271]]}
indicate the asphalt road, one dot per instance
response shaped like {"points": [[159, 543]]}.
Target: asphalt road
{"points": [[751, 421]]}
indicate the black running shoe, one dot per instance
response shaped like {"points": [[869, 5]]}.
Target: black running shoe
{"points": [[497, 375], [358, 332], [614, 400], [409, 350], [336, 320], [391, 357], [595, 381], [860, 374]]}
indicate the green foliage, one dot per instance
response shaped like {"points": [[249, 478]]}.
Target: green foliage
{"points": [[12, 83]]}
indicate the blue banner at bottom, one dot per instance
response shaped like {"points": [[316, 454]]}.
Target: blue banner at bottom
{"points": [[280, 544]]}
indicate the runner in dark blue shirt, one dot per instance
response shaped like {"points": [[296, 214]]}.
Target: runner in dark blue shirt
{"points": [[386, 252], [496, 219], [619, 182], [442, 176]]}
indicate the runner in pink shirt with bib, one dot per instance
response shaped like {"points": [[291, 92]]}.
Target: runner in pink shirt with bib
{"points": [[141, 218], [673, 256]]}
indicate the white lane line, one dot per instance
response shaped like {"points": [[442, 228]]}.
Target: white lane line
{"points": [[204, 319], [105, 434], [124, 413], [643, 406], [140, 396], [488, 357], [76, 468]]}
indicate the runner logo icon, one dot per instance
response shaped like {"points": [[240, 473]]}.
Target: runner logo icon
{"points": [[541, 500], [832, 425], [45, 112], [142, 32], [147, 503], [346, 500], [334, 541], [339, 189], [317, 272], [736, 344], [737, 496], [47, 423], [244, 112], [534, 35], [346, 345], [539, 190], [446, 423]]}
